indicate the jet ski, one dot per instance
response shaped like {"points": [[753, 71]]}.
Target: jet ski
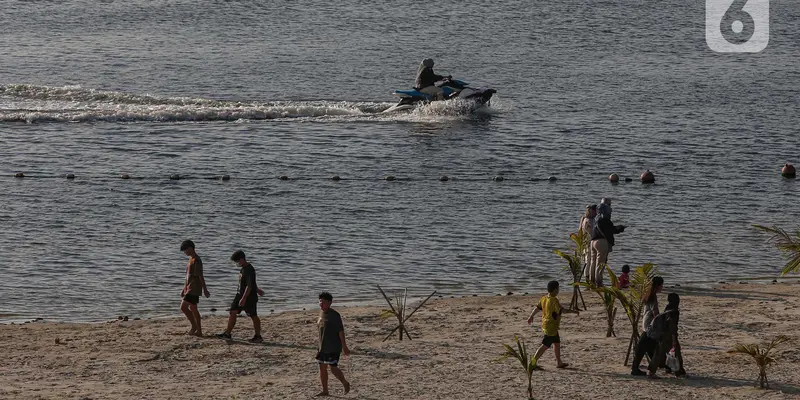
{"points": [[451, 88]]}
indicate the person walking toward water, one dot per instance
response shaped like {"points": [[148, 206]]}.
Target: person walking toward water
{"points": [[603, 240], [246, 298], [194, 285], [331, 344], [587, 226], [551, 319]]}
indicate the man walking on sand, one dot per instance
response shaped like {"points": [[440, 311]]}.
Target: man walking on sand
{"points": [[331, 344], [193, 287], [246, 299]]}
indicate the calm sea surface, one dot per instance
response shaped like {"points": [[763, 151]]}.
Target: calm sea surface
{"points": [[256, 90]]}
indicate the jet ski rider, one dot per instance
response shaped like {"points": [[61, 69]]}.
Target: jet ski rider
{"points": [[426, 80]]}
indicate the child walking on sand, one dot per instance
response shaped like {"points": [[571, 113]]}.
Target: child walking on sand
{"points": [[551, 318], [246, 298], [331, 344], [193, 287]]}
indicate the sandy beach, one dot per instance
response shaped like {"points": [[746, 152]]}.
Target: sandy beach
{"points": [[454, 354]]}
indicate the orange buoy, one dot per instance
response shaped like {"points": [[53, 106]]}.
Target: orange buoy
{"points": [[125, 176], [788, 171], [283, 178], [225, 177], [498, 178], [648, 177], [70, 176], [444, 178], [613, 178], [389, 178], [335, 178], [19, 175]]}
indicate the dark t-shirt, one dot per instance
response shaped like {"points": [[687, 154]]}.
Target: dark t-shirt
{"points": [[247, 278], [194, 273], [426, 78], [330, 324]]}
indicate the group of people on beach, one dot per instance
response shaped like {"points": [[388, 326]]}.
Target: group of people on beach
{"points": [[659, 340], [331, 343], [659, 337]]}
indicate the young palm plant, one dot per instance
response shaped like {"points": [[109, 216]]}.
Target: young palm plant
{"points": [[788, 245], [528, 364], [631, 299], [609, 301], [761, 355], [575, 265]]}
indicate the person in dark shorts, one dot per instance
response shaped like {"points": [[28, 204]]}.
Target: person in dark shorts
{"points": [[246, 298], [331, 344], [193, 287], [551, 319]]}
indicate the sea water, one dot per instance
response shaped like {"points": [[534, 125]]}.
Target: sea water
{"points": [[257, 90]]}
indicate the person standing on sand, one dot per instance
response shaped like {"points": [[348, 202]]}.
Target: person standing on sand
{"points": [[193, 287], [246, 298], [603, 240], [587, 225], [551, 319], [331, 344]]}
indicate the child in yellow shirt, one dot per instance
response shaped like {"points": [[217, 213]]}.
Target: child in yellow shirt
{"points": [[551, 318]]}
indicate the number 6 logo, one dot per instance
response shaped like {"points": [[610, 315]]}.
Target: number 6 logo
{"points": [[737, 26]]}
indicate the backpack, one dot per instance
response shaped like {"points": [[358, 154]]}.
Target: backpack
{"points": [[657, 328]]}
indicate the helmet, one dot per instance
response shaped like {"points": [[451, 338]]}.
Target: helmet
{"points": [[428, 63]]}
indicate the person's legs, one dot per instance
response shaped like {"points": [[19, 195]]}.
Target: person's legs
{"points": [[680, 372], [658, 359], [589, 261], [539, 353], [434, 91], [323, 378], [231, 321], [186, 310], [251, 308], [596, 261], [196, 314], [340, 376], [557, 352], [256, 325], [645, 344], [601, 259]]}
